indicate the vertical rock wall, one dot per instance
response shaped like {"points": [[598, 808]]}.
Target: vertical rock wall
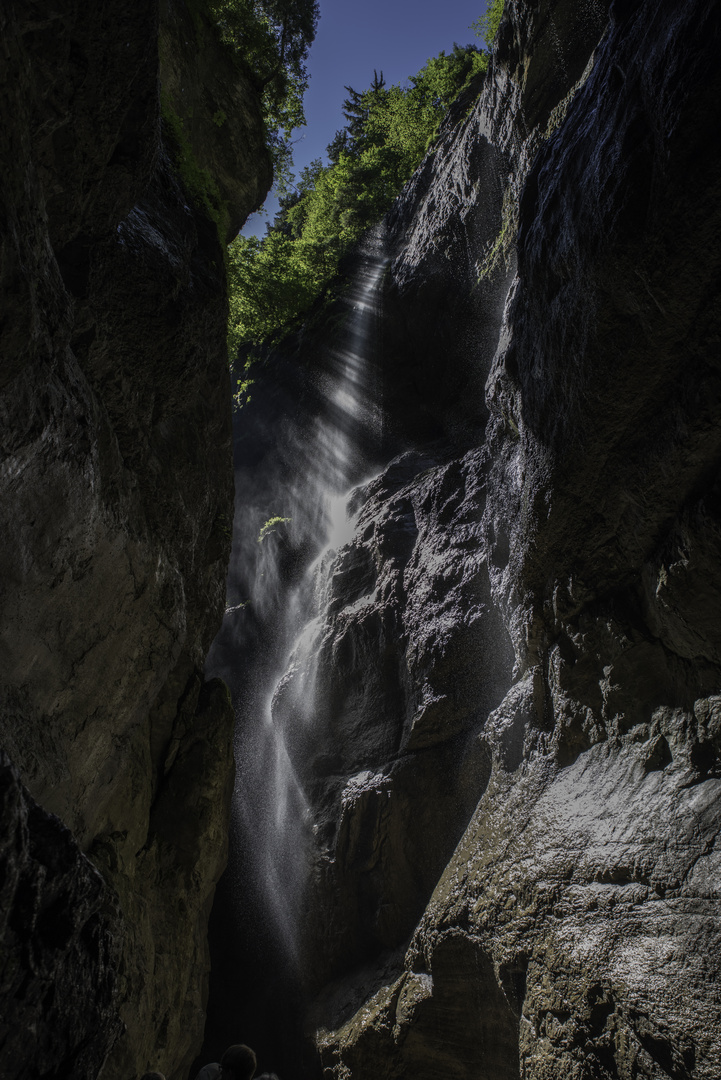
{"points": [[574, 930], [61, 945], [116, 500]]}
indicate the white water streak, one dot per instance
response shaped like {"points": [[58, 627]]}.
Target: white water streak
{"points": [[274, 806]]}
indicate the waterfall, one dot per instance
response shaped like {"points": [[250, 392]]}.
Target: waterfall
{"points": [[291, 514], [276, 812]]}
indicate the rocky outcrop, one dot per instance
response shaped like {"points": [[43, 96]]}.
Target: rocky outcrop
{"points": [[574, 930], [454, 225], [406, 664], [505, 716], [61, 942], [116, 481], [211, 107]]}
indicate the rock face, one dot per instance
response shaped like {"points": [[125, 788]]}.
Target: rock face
{"points": [[513, 767], [575, 929], [61, 943], [117, 491], [409, 659]]}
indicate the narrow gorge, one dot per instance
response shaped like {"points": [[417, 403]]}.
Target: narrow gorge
{"points": [[472, 632]]}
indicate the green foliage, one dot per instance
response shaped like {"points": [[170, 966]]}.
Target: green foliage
{"points": [[388, 130], [271, 39], [271, 526], [486, 27], [197, 179], [499, 252], [241, 396]]}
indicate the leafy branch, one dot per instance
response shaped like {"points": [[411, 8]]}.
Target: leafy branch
{"points": [[271, 526]]}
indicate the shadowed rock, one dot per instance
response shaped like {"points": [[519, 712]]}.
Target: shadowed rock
{"points": [[579, 907], [116, 489], [62, 940]]}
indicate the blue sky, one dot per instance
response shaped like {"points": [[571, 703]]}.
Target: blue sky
{"points": [[392, 36]]}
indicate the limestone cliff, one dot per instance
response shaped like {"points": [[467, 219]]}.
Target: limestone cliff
{"points": [[574, 930], [511, 752], [115, 519]]}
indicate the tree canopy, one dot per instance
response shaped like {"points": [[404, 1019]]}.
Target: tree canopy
{"points": [[271, 39], [486, 26], [388, 130]]}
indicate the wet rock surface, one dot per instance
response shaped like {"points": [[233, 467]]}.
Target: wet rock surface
{"points": [[454, 225], [406, 664], [574, 929], [116, 494]]}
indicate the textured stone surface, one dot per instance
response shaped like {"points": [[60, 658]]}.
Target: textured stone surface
{"points": [[62, 939], [406, 663], [575, 929], [454, 224], [115, 482], [167, 890], [212, 96]]}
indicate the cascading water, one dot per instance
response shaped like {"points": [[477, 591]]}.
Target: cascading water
{"points": [[276, 812], [267, 648]]}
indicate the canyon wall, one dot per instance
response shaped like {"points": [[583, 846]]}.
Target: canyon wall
{"points": [[507, 730], [512, 773], [574, 929], [115, 519]]}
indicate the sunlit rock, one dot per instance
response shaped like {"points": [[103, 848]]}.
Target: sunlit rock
{"points": [[499, 695]]}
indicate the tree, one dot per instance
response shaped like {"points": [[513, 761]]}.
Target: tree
{"points": [[486, 26], [357, 106], [271, 39], [388, 130]]}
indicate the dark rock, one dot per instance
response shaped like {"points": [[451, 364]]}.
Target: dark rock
{"points": [[454, 1019], [408, 657], [208, 95], [573, 931], [116, 479], [454, 225], [166, 904], [62, 940]]}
